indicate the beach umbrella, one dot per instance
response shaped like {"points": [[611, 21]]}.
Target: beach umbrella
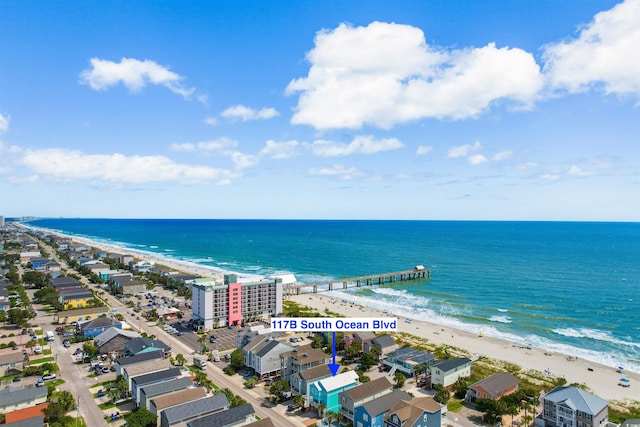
{"points": [[620, 368], [624, 380]]}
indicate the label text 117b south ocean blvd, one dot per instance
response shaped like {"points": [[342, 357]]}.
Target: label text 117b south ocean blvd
{"points": [[329, 324]]}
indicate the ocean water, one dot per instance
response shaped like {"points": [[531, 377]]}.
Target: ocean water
{"points": [[567, 287]]}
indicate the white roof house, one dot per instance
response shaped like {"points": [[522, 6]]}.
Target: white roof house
{"points": [[339, 381]]}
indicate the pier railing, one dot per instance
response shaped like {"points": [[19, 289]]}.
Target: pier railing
{"points": [[357, 282]]}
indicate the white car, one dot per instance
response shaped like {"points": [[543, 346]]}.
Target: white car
{"points": [[49, 377]]}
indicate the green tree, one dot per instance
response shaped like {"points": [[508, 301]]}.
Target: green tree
{"points": [[278, 389], [493, 410], [362, 377], [460, 387], [353, 350], [442, 394], [141, 417], [399, 379], [298, 400], [237, 359], [89, 349], [367, 360]]}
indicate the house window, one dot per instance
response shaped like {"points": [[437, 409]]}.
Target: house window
{"points": [[365, 417]]}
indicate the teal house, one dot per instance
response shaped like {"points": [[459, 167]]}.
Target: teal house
{"points": [[325, 392]]}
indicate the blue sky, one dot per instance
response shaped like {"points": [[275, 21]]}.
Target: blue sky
{"points": [[496, 110]]}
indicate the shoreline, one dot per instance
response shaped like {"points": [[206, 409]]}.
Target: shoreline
{"points": [[602, 380]]}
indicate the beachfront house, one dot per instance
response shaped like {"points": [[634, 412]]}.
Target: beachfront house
{"points": [[493, 387], [406, 359], [384, 343], [446, 372], [361, 394], [301, 382], [325, 392], [572, 407], [371, 413], [417, 412]]}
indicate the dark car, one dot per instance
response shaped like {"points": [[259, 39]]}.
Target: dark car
{"points": [[15, 379], [15, 347]]}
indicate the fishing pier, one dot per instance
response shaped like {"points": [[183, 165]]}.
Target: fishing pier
{"points": [[418, 272]]}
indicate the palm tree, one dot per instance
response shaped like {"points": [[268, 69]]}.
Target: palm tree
{"points": [[321, 407], [339, 417], [180, 359], [330, 416], [298, 400]]}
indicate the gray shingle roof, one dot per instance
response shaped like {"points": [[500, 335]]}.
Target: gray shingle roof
{"points": [[224, 418], [136, 345], [449, 364], [382, 404], [158, 389], [143, 357], [192, 409], [270, 345], [577, 399], [367, 389], [155, 376], [384, 341], [497, 383], [100, 322], [13, 395]]}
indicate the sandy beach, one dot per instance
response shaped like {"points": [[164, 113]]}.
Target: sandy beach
{"points": [[601, 380]]}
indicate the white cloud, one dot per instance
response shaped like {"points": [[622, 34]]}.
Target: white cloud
{"points": [[423, 149], [245, 113], [4, 123], [216, 145], [362, 144], [477, 159], [528, 165], [503, 155], [463, 150], [133, 74], [578, 171], [337, 170], [211, 121], [280, 150], [385, 74], [606, 51], [74, 166]]}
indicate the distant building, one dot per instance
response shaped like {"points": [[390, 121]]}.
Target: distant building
{"points": [[233, 301], [93, 328]]}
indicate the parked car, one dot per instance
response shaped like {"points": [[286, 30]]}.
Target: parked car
{"points": [[15, 347], [49, 377], [15, 379], [113, 368], [105, 370], [40, 383], [248, 374], [67, 344]]}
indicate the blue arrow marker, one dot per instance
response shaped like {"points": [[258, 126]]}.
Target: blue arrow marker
{"points": [[333, 366]]}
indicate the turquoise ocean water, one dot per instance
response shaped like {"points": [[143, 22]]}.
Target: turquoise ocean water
{"points": [[568, 287]]}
